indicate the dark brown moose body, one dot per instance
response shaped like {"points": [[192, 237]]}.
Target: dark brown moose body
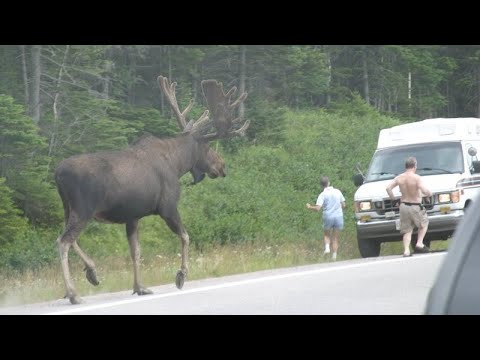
{"points": [[144, 179]]}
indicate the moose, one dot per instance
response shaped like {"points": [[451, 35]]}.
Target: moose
{"points": [[144, 179]]}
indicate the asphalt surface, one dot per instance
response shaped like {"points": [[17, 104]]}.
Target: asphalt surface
{"points": [[374, 286]]}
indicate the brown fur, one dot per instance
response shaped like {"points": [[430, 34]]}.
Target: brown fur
{"points": [[127, 185], [123, 187]]}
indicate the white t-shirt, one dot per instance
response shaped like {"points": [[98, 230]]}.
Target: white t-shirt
{"points": [[331, 201]]}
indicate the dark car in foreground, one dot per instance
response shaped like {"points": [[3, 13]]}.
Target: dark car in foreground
{"points": [[456, 290]]}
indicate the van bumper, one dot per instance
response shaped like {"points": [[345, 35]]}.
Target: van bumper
{"points": [[440, 227]]}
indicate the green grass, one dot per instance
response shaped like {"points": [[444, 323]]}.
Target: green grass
{"points": [[116, 273]]}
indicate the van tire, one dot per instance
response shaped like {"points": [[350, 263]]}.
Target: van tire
{"points": [[368, 248]]}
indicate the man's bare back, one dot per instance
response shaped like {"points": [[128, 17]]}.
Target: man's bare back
{"points": [[411, 187]]}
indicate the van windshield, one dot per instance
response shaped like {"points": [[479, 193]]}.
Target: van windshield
{"points": [[432, 159]]}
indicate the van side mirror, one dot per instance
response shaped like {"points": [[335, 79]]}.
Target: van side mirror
{"points": [[358, 179], [476, 166]]}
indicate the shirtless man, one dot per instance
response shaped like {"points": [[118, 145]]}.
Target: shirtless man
{"points": [[412, 212]]}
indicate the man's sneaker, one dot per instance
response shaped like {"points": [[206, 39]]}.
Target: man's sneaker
{"points": [[334, 256], [422, 250], [326, 252]]}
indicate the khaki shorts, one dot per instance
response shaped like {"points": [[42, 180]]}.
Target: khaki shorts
{"points": [[411, 216]]}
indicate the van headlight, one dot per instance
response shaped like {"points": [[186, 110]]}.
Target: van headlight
{"points": [[443, 198], [453, 197], [363, 205]]}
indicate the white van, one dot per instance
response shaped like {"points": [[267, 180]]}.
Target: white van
{"points": [[446, 153]]}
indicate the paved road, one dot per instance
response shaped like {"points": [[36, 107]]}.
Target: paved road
{"points": [[384, 285]]}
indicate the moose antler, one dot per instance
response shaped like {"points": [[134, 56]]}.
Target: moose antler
{"points": [[169, 92], [220, 106], [222, 109]]}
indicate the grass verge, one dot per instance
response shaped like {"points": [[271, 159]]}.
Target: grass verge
{"points": [[116, 273]]}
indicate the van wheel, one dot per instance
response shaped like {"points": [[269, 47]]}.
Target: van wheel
{"points": [[368, 248]]}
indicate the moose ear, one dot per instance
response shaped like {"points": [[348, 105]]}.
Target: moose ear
{"points": [[197, 175]]}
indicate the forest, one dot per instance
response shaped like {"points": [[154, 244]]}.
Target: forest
{"points": [[314, 110]]}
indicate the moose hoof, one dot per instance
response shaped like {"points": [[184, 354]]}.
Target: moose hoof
{"points": [[142, 291], [91, 275], [75, 300], [180, 279]]}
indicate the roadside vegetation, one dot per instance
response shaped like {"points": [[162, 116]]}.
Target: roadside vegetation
{"points": [[314, 109], [254, 219]]}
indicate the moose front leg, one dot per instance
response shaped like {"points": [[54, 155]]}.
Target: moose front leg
{"points": [[132, 235], [175, 224], [72, 231]]}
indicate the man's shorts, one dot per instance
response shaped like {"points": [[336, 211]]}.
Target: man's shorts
{"points": [[411, 216], [333, 223]]}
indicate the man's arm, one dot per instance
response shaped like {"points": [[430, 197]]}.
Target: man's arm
{"points": [[423, 188], [390, 188], [343, 204]]}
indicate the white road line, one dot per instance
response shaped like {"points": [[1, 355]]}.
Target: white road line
{"points": [[81, 308]]}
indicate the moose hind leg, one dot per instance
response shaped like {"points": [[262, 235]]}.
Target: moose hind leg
{"points": [[175, 224], [132, 235], [182, 273], [91, 272], [64, 241]]}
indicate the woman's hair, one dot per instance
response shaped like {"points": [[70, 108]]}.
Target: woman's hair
{"points": [[324, 181]]}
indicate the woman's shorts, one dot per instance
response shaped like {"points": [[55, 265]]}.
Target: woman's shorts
{"points": [[333, 223]]}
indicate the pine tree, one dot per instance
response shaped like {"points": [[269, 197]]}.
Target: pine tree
{"points": [[12, 224]]}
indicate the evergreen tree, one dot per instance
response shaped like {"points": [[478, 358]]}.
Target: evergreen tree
{"points": [[24, 165], [12, 224]]}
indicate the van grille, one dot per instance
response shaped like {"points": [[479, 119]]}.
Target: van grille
{"points": [[381, 207]]}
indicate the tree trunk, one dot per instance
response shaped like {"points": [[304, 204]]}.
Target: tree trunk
{"points": [[56, 99], [447, 95], [366, 89], [478, 91], [381, 95], [108, 70], [409, 93], [396, 102], [409, 86], [195, 86], [106, 80], [329, 79], [243, 65], [36, 71], [162, 98], [25, 78], [132, 65], [169, 59], [169, 63]]}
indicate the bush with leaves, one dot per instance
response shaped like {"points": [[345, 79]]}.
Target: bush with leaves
{"points": [[268, 122]]}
